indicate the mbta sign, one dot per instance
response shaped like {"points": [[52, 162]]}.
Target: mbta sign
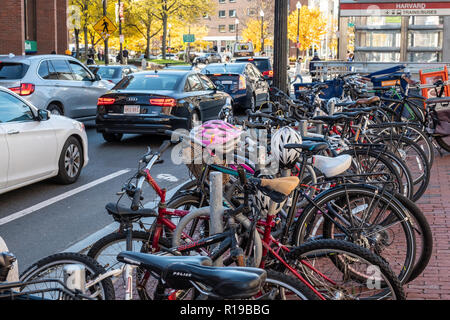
{"points": [[364, 8]]}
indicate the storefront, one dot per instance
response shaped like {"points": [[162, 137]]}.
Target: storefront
{"points": [[388, 31]]}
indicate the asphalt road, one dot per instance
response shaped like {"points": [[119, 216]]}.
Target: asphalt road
{"points": [[57, 216]]}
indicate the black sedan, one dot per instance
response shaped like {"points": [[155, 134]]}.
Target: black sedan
{"points": [[243, 81], [152, 102]]}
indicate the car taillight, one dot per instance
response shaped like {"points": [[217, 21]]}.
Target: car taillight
{"points": [[163, 102], [105, 101], [268, 73], [242, 83], [25, 89]]}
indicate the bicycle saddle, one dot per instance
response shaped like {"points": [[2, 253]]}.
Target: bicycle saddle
{"points": [[283, 185], [331, 119], [368, 101], [178, 271], [121, 213], [310, 146], [331, 167]]}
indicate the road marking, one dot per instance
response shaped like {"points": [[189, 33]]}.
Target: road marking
{"points": [[84, 244], [60, 197]]}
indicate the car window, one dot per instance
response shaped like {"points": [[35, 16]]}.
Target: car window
{"points": [[195, 83], [62, 69], [207, 84], [109, 72], [78, 72], [257, 73], [46, 71], [12, 71], [12, 109], [149, 82]]}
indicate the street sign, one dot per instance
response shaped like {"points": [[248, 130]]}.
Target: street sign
{"points": [[105, 28], [366, 8], [188, 38], [30, 46]]}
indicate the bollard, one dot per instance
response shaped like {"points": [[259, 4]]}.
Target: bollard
{"points": [[75, 277], [304, 128], [216, 208]]}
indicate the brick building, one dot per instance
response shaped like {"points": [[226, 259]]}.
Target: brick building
{"points": [[33, 26]]}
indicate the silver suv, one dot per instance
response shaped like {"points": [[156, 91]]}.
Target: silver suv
{"points": [[58, 83]]}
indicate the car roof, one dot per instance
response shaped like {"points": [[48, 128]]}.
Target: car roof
{"points": [[166, 71], [254, 58]]}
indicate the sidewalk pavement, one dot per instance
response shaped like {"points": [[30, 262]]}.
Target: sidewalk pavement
{"points": [[434, 282]]}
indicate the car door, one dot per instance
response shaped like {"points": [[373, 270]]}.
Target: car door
{"points": [[92, 89], [216, 99], [199, 95], [4, 157], [31, 143]]}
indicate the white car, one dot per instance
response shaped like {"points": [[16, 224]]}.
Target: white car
{"points": [[37, 145]]}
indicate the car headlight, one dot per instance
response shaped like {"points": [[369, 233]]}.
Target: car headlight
{"points": [[79, 125]]}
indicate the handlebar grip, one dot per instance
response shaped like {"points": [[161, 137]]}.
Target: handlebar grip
{"points": [[136, 200], [242, 176]]}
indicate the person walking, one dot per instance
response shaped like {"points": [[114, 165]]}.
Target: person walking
{"points": [[125, 56], [313, 67], [298, 70]]}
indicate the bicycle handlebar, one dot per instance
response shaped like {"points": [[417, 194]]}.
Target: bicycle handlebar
{"points": [[136, 199]]}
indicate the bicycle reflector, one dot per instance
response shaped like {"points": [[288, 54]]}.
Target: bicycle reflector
{"points": [[25, 89]]}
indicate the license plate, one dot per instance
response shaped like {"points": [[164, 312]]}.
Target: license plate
{"points": [[132, 109], [227, 82]]}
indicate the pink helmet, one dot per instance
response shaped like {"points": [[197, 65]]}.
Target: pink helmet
{"points": [[217, 134]]}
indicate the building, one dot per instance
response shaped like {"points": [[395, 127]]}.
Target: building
{"points": [[33, 26], [393, 31]]}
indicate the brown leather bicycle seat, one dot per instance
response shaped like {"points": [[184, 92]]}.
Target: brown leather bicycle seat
{"points": [[282, 185], [367, 101]]}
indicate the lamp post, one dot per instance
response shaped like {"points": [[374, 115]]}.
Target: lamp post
{"points": [[237, 29], [105, 51], [261, 13], [299, 6]]}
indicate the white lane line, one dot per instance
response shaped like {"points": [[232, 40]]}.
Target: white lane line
{"points": [[60, 197], [84, 244]]}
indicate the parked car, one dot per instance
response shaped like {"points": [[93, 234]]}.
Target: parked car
{"points": [[242, 81], [208, 58], [263, 64], [37, 145], [169, 56], [60, 84], [113, 73], [152, 102]]}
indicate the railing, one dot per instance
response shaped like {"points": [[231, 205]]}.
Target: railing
{"points": [[326, 70]]}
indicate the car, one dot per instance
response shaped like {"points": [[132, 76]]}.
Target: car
{"points": [[36, 145], [169, 56], [180, 67], [112, 73], [243, 81], [58, 83], [263, 64], [208, 58], [155, 101]]}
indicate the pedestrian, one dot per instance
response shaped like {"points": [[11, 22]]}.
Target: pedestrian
{"points": [[144, 63], [313, 67], [90, 60], [298, 70], [125, 56]]}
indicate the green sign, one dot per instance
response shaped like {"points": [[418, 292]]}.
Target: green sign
{"points": [[188, 38], [351, 24], [393, 19], [30, 46]]}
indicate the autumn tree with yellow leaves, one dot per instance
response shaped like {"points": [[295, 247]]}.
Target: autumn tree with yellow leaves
{"points": [[253, 33], [312, 27]]}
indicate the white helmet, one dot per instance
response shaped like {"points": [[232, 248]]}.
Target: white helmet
{"points": [[285, 157], [263, 202]]}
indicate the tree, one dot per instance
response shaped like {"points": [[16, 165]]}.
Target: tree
{"points": [[311, 28], [252, 32]]}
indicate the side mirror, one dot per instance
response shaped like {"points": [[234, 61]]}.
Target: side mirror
{"points": [[97, 77], [43, 115]]}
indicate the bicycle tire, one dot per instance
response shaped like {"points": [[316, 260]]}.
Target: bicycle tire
{"points": [[93, 269], [441, 142], [375, 240], [308, 249]]}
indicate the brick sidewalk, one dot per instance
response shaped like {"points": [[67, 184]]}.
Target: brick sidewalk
{"points": [[434, 282]]}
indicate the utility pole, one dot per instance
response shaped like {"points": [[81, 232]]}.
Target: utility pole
{"points": [[299, 6], [106, 56], [261, 13], [281, 45], [120, 34]]}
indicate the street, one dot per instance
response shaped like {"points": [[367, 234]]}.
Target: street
{"points": [[55, 227]]}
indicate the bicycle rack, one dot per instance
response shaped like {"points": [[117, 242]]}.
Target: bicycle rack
{"points": [[216, 207]]}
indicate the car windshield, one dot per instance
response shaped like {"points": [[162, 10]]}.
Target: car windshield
{"points": [[12, 71], [153, 81], [109, 73], [261, 64], [224, 68]]}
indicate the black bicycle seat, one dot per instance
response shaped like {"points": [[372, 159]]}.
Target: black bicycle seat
{"points": [[331, 119], [121, 213], [178, 271], [308, 146]]}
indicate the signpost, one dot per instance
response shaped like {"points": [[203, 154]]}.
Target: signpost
{"points": [[188, 38]]}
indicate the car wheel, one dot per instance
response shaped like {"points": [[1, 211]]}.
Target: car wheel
{"points": [[55, 109], [70, 162], [112, 137]]}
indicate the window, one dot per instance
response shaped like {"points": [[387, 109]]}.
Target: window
{"points": [[221, 1], [232, 1], [46, 71], [151, 81], [251, 12], [12, 109], [222, 28], [232, 13], [194, 83], [62, 69], [12, 71], [78, 72], [232, 28], [222, 13]]}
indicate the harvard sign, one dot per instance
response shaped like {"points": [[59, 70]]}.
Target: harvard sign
{"points": [[363, 8]]}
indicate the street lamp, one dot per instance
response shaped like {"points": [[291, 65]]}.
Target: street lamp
{"points": [[261, 13], [170, 26], [299, 6], [237, 28]]}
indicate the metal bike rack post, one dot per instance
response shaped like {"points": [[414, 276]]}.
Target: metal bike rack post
{"points": [[304, 128], [216, 207], [75, 277], [261, 152]]}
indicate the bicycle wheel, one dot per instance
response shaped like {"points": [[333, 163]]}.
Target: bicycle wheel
{"points": [[280, 286], [443, 142], [106, 249], [341, 270], [366, 216], [52, 267]]}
